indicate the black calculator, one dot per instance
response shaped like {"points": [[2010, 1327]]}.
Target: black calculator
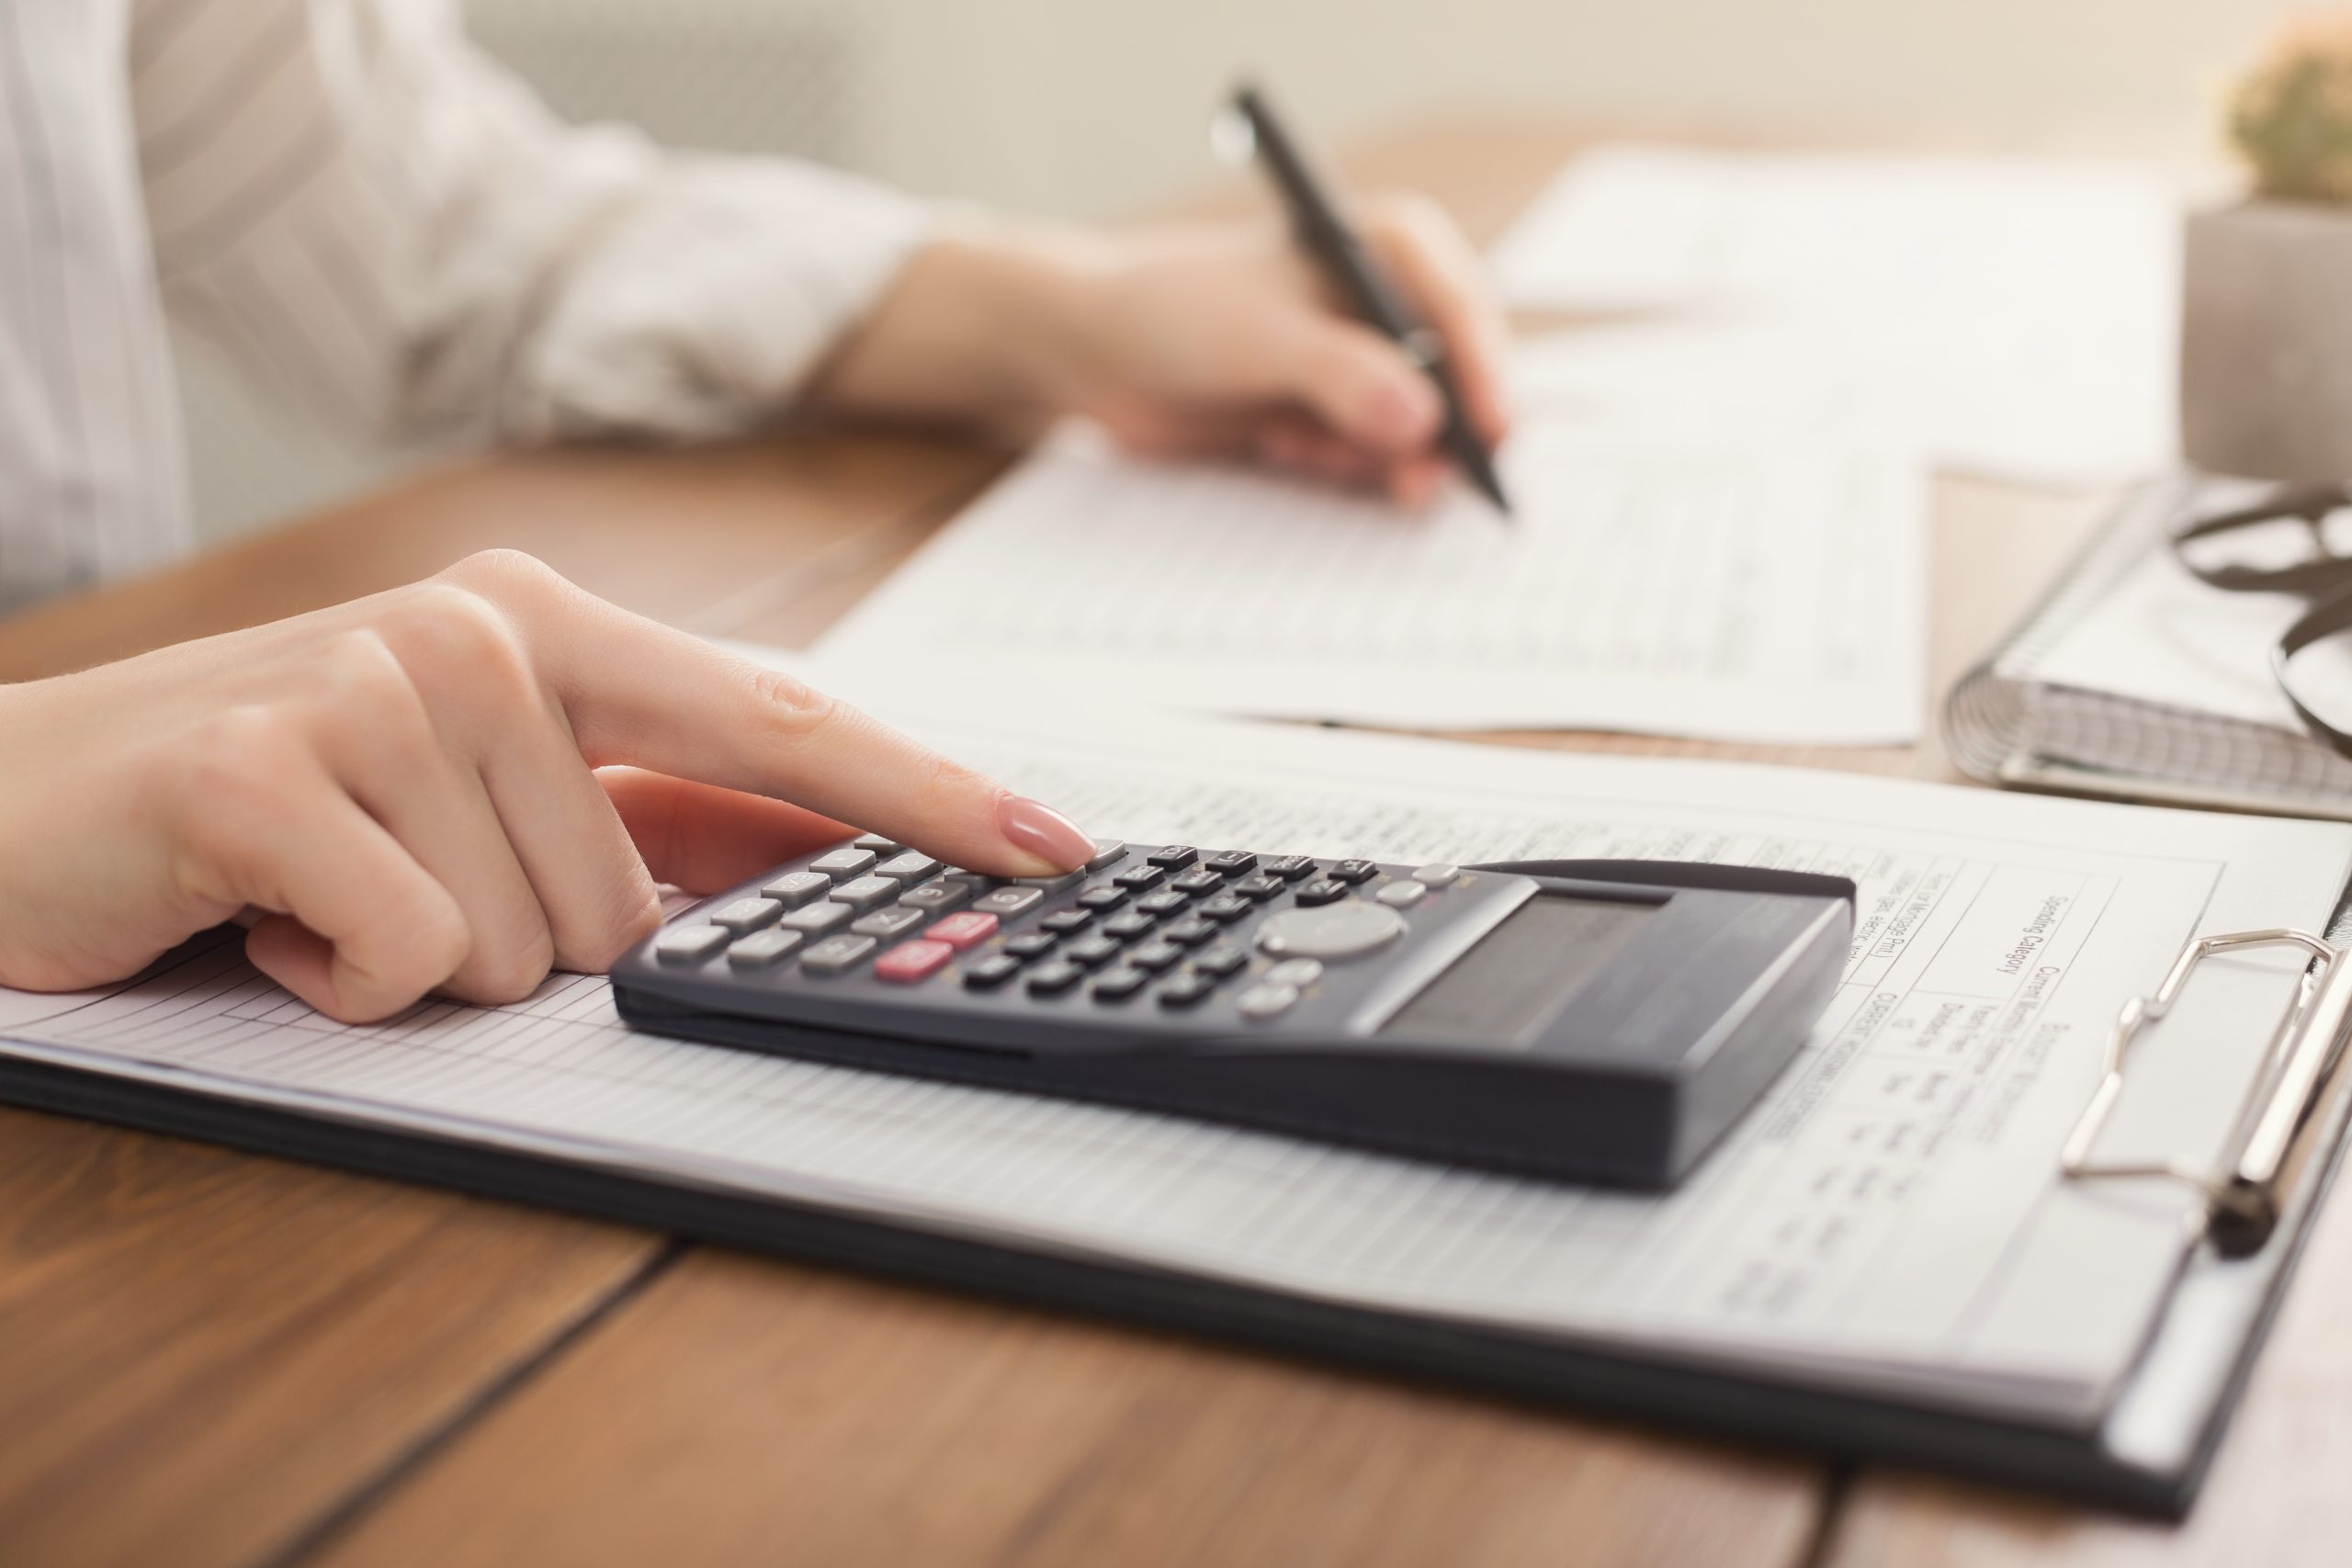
{"points": [[1595, 1020]]}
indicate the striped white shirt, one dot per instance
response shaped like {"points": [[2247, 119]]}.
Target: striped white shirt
{"points": [[372, 220]]}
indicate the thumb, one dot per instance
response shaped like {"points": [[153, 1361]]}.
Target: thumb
{"points": [[1360, 384]]}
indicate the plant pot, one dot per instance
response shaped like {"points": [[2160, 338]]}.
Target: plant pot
{"points": [[2265, 352]]}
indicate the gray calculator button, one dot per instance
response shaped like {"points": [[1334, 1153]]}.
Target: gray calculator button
{"points": [[1346, 929], [867, 892], [1226, 907], [817, 919], [909, 868], [1107, 851], [1091, 952], [887, 924], [747, 914], [1127, 926], [1298, 973], [1155, 955], [836, 954], [1222, 960], [1266, 1001], [1118, 984], [1064, 921], [1053, 883], [877, 844], [1401, 895], [937, 897], [843, 864], [796, 889], [762, 948], [1053, 979], [1436, 876], [690, 944], [1190, 931], [1006, 902]]}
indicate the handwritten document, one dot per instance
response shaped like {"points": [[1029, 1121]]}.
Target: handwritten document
{"points": [[2016, 318], [1734, 592], [1887, 1219]]}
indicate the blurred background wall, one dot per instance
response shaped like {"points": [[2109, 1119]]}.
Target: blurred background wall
{"points": [[1090, 108]]}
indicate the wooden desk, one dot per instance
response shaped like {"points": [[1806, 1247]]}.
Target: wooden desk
{"points": [[211, 1358]]}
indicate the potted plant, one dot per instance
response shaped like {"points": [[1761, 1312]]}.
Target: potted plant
{"points": [[2266, 328]]}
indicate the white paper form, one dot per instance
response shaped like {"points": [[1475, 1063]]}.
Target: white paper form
{"points": [[2016, 318], [1886, 1219], [1733, 593]]}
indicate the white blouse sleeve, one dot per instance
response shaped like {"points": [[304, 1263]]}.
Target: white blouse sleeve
{"points": [[374, 218]]}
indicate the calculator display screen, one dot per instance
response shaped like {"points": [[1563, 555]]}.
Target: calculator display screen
{"points": [[1504, 990]]}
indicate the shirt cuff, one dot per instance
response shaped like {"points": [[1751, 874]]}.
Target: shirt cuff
{"points": [[698, 304]]}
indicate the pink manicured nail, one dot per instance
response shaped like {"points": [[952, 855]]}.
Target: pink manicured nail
{"points": [[1043, 832]]}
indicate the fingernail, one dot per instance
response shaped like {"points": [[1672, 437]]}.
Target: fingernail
{"points": [[1044, 832]]}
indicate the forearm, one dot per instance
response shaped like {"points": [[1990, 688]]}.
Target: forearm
{"points": [[982, 326]]}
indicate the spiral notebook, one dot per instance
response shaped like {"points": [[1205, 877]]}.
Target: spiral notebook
{"points": [[2134, 681]]}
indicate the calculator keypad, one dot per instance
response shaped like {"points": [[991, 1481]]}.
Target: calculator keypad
{"points": [[1172, 923]]}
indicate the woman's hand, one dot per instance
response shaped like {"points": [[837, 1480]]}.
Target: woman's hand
{"points": [[1209, 340], [401, 793]]}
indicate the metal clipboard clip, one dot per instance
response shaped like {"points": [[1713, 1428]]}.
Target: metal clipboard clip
{"points": [[2275, 1132]]}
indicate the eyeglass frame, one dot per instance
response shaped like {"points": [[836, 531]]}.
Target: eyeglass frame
{"points": [[2327, 580]]}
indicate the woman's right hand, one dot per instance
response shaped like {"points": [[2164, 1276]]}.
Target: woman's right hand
{"points": [[403, 793]]}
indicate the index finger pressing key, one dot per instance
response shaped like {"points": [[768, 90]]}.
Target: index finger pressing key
{"points": [[648, 695]]}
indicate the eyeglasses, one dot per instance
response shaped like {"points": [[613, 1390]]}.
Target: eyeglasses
{"points": [[2298, 542]]}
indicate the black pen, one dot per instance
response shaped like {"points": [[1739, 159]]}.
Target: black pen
{"points": [[1334, 245]]}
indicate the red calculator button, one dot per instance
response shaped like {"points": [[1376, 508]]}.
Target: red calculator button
{"points": [[913, 961], [960, 931]]}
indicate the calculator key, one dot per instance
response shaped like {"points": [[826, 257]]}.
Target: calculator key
{"points": [[796, 889], [1199, 879], [1322, 890], [1102, 897], [1264, 1001], [863, 893], [1129, 926], [1185, 991], [1290, 868], [1118, 984], [747, 914], [1053, 883], [1155, 955], [1231, 863], [1136, 878], [1436, 876], [1225, 907], [817, 919], [843, 864], [968, 929], [1259, 886], [762, 948], [691, 944], [1031, 944], [1222, 960], [837, 955], [1296, 973], [1402, 894], [1107, 851], [889, 924], [1067, 921], [1335, 931], [1007, 902], [913, 961], [1190, 931], [1173, 857], [937, 897], [1160, 902], [993, 970], [977, 880], [1091, 952], [1353, 872], [877, 844], [1053, 979], [909, 868]]}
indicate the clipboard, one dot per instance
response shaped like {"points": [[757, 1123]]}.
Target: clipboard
{"points": [[2148, 1454]]}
